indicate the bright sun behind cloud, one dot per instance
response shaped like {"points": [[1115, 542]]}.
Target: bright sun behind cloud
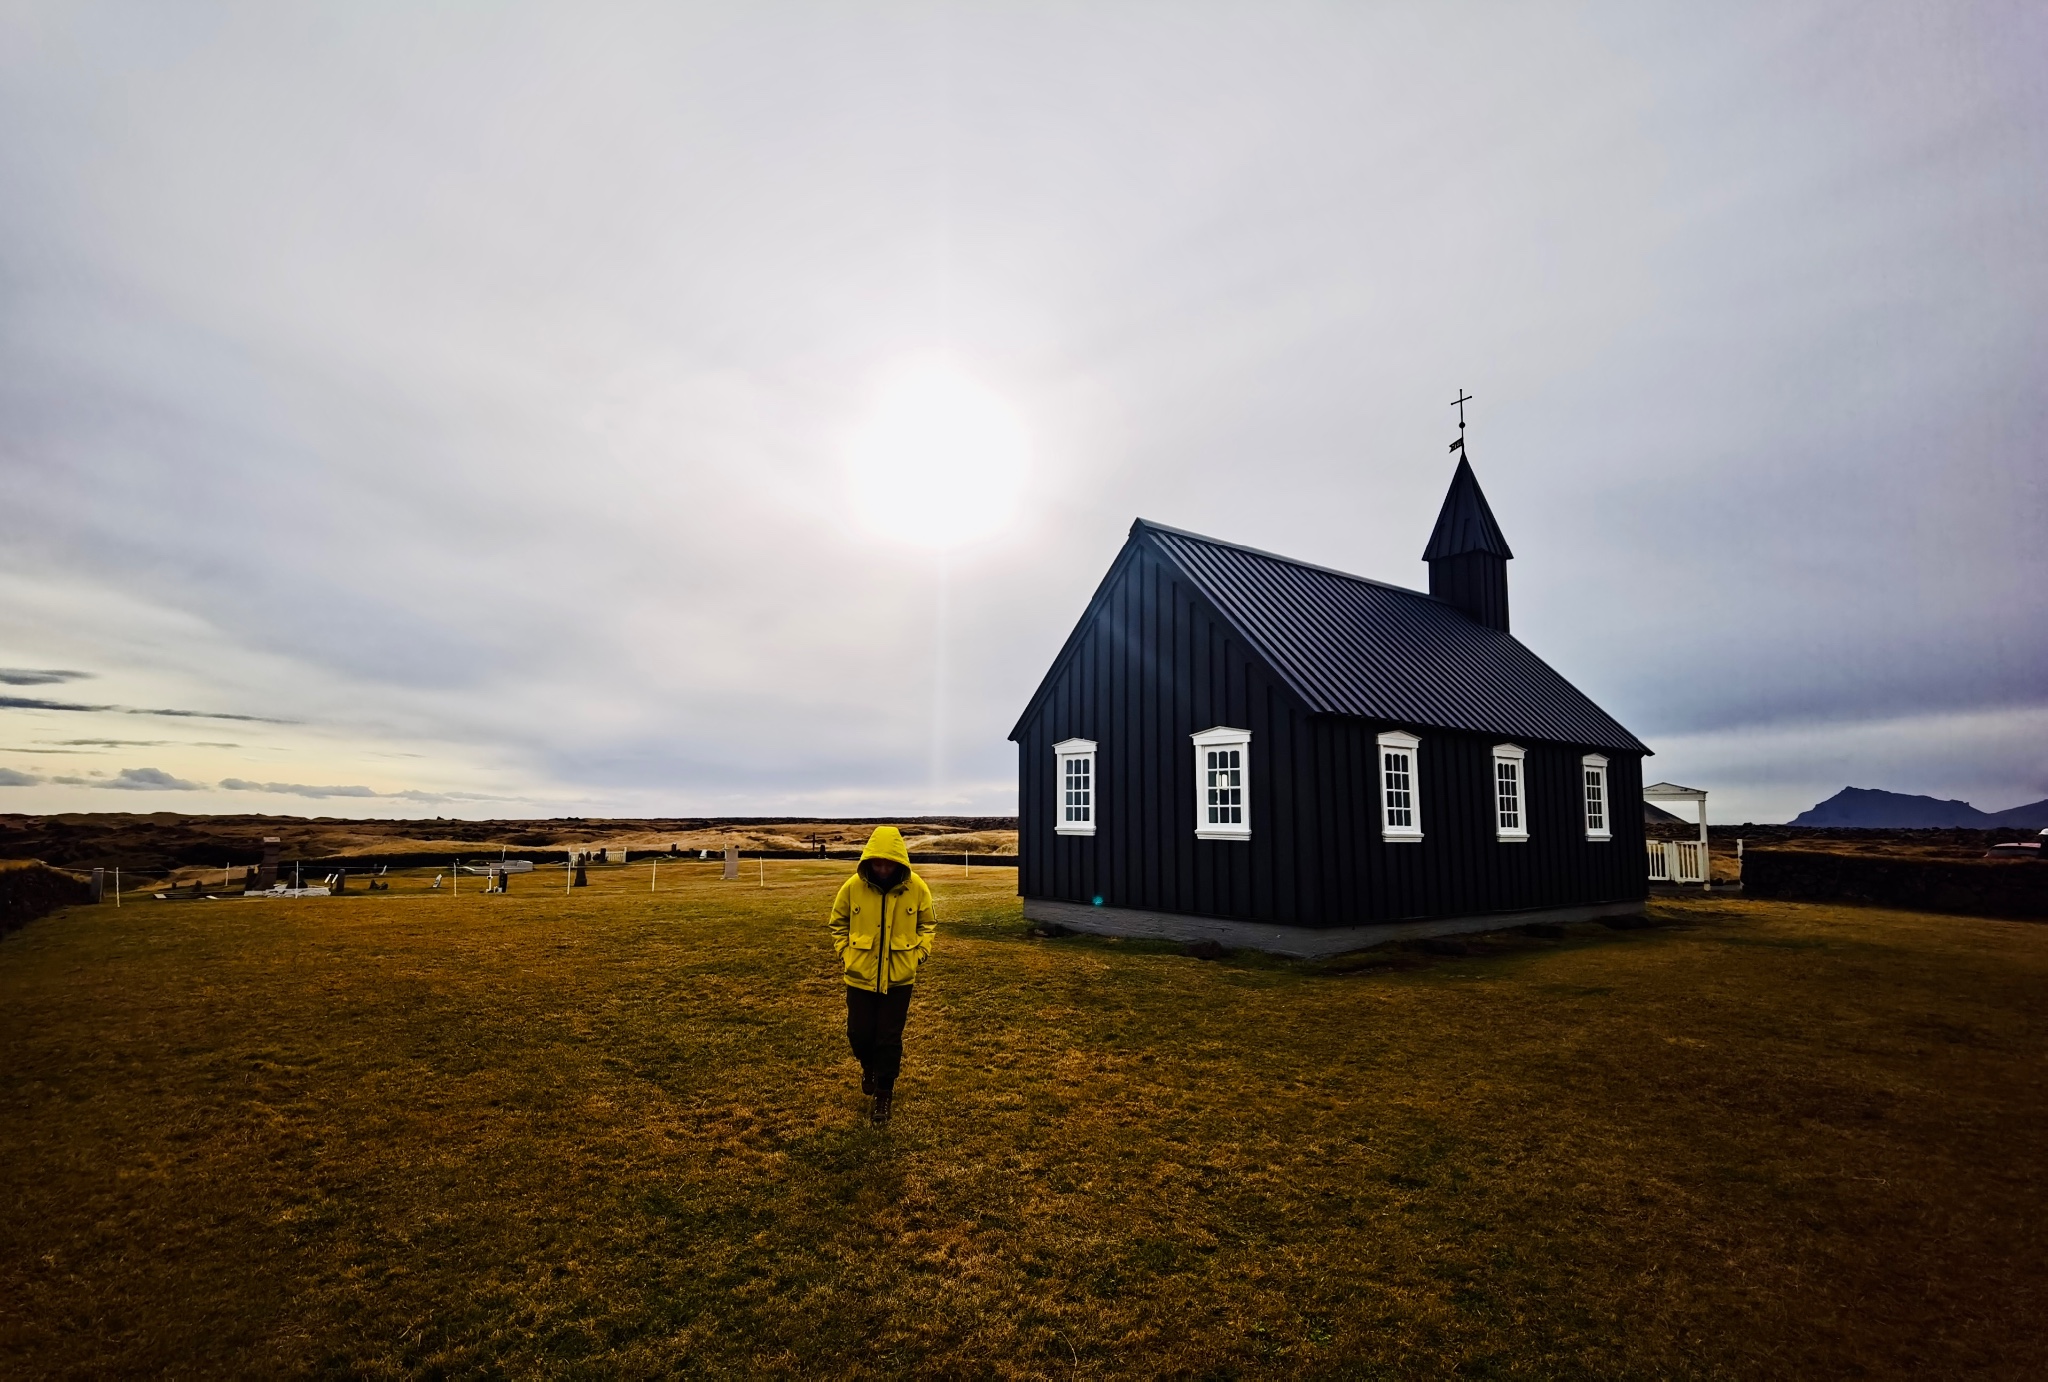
{"points": [[940, 458]]}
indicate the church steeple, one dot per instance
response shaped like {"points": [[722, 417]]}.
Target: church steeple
{"points": [[1468, 558]]}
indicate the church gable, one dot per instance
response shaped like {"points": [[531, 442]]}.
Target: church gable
{"points": [[1155, 615]]}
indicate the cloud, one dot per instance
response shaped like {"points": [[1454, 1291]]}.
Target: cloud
{"points": [[11, 778], [303, 789], [32, 703], [204, 715], [79, 745], [150, 780], [36, 676], [296, 789]]}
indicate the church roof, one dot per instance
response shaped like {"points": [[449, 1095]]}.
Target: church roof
{"points": [[1465, 523], [1349, 646]]}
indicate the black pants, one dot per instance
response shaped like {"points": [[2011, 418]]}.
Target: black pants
{"points": [[874, 1029]]}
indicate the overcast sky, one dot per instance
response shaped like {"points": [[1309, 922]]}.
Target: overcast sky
{"points": [[462, 409]]}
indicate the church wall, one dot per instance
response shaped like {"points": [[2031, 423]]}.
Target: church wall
{"points": [[1460, 867]]}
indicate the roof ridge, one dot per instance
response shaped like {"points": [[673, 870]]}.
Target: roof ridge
{"points": [[1284, 560]]}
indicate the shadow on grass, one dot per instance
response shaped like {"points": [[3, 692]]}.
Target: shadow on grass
{"points": [[1394, 957]]}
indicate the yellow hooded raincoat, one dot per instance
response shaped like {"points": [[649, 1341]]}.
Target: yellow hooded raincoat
{"points": [[868, 926]]}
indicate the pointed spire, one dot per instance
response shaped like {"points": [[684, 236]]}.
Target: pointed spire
{"points": [[1468, 558], [1465, 523]]}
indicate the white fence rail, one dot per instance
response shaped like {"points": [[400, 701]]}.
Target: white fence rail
{"points": [[1677, 861]]}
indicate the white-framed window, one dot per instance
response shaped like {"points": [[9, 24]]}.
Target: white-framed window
{"points": [[1510, 805], [1599, 810], [1074, 787], [1400, 787], [1223, 784]]}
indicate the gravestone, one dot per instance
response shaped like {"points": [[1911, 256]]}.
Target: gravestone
{"points": [[581, 880], [266, 874], [99, 884], [732, 862]]}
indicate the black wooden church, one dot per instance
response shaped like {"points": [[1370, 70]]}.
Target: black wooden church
{"points": [[1236, 746]]}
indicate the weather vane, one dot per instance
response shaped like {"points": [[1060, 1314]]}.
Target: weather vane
{"points": [[1459, 403]]}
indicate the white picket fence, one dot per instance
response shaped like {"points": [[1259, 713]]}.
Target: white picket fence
{"points": [[1677, 861]]}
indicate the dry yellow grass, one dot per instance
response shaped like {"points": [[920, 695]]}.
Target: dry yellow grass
{"points": [[617, 1134]]}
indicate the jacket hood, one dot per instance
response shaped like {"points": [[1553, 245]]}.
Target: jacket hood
{"points": [[886, 843]]}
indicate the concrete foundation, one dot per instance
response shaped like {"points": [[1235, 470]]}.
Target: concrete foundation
{"points": [[1300, 942]]}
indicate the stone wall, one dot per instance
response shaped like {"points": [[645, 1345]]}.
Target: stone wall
{"points": [[30, 888], [1966, 887]]}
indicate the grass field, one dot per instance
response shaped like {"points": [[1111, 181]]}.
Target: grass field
{"points": [[617, 1133]]}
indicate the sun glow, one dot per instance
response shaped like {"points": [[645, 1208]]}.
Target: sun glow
{"points": [[940, 460]]}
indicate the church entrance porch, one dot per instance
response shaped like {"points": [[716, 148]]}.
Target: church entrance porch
{"points": [[1679, 861]]}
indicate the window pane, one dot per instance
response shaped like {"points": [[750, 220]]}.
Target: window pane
{"points": [[1596, 799], [1223, 786], [1076, 798], [1398, 786], [1508, 785]]}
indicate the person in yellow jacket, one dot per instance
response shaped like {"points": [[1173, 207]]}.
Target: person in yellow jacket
{"points": [[882, 927]]}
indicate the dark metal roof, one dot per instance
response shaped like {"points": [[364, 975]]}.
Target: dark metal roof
{"points": [[1465, 523], [1350, 646]]}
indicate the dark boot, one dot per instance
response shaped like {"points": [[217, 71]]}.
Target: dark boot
{"points": [[883, 1103], [867, 1084]]}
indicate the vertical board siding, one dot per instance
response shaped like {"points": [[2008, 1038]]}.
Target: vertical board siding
{"points": [[1155, 664]]}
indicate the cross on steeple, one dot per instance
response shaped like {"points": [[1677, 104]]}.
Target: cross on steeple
{"points": [[1459, 403]]}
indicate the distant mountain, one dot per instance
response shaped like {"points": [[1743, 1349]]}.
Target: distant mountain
{"points": [[2032, 816], [1873, 808]]}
